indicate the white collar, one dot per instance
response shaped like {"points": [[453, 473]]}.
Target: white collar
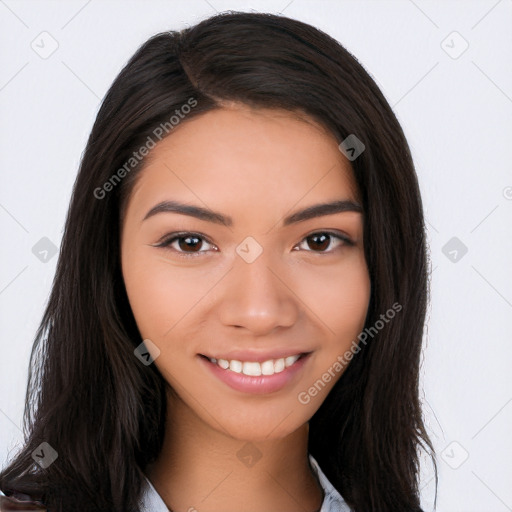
{"points": [[333, 502]]}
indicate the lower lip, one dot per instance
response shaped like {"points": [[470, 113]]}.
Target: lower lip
{"points": [[257, 385]]}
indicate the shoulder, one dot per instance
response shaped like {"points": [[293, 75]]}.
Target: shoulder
{"points": [[333, 501], [8, 503]]}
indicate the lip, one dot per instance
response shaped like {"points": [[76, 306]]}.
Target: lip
{"points": [[258, 357], [257, 385]]}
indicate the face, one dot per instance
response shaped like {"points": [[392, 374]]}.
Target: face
{"points": [[249, 280]]}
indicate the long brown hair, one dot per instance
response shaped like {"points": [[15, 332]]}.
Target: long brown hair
{"points": [[91, 400]]}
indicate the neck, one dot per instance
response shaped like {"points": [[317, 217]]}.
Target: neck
{"points": [[203, 469]]}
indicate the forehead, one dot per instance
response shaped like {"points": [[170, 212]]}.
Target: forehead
{"points": [[266, 157]]}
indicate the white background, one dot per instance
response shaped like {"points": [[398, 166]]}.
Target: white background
{"points": [[457, 116]]}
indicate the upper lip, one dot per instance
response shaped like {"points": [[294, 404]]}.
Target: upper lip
{"points": [[258, 356]]}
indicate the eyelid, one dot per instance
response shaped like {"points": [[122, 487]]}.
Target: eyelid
{"points": [[333, 232], [168, 239], [342, 237]]}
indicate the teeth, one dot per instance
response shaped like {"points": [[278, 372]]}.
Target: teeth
{"points": [[279, 365], [254, 369], [235, 366], [288, 361], [267, 368]]}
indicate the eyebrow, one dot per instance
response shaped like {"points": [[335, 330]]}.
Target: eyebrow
{"points": [[317, 210]]}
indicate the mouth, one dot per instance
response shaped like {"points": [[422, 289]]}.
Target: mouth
{"points": [[256, 376], [255, 368]]}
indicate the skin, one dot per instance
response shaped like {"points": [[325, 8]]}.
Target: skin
{"points": [[256, 166]]}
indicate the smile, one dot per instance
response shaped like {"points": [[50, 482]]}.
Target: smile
{"points": [[256, 377], [255, 369]]}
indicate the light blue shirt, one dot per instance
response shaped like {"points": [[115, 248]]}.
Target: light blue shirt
{"points": [[333, 502]]}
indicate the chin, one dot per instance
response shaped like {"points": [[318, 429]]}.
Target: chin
{"points": [[256, 429]]}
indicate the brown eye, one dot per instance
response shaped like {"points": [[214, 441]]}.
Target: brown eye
{"points": [[187, 244], [319, 242], [324, 240]]}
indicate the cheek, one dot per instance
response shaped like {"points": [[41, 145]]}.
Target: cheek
{"points": [[159, 295], [340, 300], [339, 295]]}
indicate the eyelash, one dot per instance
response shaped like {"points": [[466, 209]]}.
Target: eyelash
{"points": [[165, 244]]}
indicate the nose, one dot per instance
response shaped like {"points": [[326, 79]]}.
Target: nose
{"points": [[258, 297]]}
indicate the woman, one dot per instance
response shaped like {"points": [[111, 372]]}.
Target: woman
{"points": [[237, 314]]}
